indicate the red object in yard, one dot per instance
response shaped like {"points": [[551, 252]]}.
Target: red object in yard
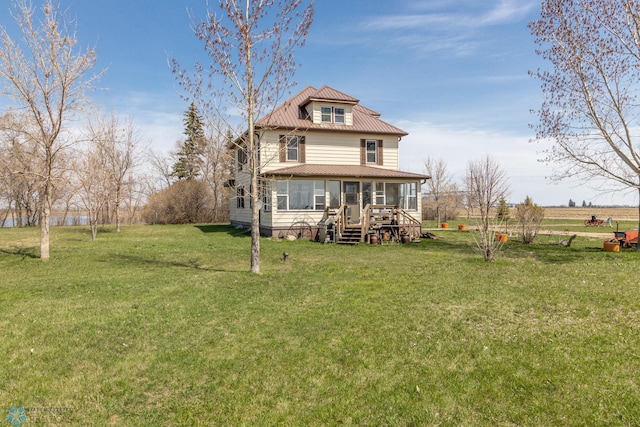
{"points": [[627, 238]]}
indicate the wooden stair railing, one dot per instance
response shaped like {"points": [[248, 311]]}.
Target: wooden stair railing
{"points": [[339, 215], [412, 225]]}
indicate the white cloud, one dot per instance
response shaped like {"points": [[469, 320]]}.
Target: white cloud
{"points": [[518, 157]]}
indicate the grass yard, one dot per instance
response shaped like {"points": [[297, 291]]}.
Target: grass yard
{"points": [[165, 326]]}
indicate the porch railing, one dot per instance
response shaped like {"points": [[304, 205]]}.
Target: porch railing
{"points": [[390, 217], [339, 216], [376, 217]]}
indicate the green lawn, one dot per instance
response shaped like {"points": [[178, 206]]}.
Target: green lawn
{"points": [[164, 326]]}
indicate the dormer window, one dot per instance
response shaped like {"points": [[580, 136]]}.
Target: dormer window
{"points": [[332, 115], [326, 114]]}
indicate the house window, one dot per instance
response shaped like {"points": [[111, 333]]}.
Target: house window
{"points": [[412, 196], [380, 193], [293, 145], [326, 114], [404, 195], [242, 158], [392, 194], [366, 194], [240, 198], [265, 188], [372, 151], [298, 194], [332, 115], [334, 193]]}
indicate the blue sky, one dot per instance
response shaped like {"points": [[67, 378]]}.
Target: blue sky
{"points": [[452, 73]]}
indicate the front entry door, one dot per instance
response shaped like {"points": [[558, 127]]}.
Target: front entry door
{"points": [[351, 191]]}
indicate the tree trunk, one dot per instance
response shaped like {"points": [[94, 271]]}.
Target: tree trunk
{"points": [[44, 222], [638, 242], [116, 207]]}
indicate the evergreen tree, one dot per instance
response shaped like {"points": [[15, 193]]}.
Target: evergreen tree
{"points": [[189, 158], [503, 210], [572, 204]]}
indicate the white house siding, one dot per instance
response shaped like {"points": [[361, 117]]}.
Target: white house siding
{"points": [[328, 148], [240, 216]]}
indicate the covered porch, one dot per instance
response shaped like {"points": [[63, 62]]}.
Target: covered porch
{"points": [[346, 203], [377, 224]]}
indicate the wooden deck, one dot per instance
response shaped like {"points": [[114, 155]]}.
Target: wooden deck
{"points": [[384, 223]]}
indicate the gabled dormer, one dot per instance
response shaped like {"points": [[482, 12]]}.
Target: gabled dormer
{"points": [[327, 109], [330, 107]]}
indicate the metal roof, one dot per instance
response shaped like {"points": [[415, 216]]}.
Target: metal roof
{"points": [[291, 115], [356, 171]]}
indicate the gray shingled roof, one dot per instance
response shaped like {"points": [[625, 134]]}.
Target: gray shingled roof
{"points": [[289, 114], [356, 171]]}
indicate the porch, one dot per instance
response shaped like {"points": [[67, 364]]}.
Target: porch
{"points": [[377, 223]]}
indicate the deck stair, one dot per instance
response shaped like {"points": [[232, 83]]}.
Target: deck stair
{"points": [[351, 235], [387, 220]]}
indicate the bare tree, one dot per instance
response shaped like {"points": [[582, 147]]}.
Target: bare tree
{"points": [[46, 74], [530, 216], [590, 93], [486, 185], [251, 45], [161, 166], [216, 171], [442, 190], [134, 196], [92, 184], [117, 145], [20, 165]]}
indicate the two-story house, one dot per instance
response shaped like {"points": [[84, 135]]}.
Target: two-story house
{"points": [[326, 159]]}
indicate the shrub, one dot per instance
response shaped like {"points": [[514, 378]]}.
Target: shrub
{"points": [[184, 202], [530, 216]]}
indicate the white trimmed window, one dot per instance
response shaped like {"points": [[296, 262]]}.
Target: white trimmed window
{"points": [[240, 198], [293, 147], [266, 196], [333, 115], [326, 114], [299, 194], [372, 151]]}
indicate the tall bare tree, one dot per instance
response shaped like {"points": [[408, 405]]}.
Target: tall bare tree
{"points": [[117, 143], [216, 170], [47, 76], [590, 93], [442, 189], [486, 184], [251, 45], [20, 165], [91, 176]]}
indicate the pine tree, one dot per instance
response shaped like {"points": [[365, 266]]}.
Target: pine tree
{"points": [[503, 210], [189, 162]]}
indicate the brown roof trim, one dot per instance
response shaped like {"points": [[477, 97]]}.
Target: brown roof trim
{"points": [[354, 171], [329, 94]]}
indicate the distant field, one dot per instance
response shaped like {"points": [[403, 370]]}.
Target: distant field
{"points": [[585, 213]]}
